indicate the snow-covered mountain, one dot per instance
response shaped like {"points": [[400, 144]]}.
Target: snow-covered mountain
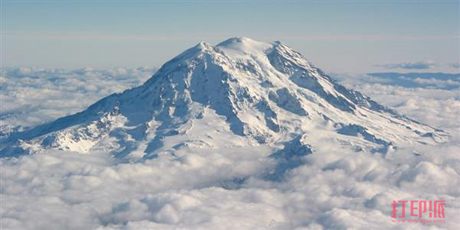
{"points": [[237, 94]]}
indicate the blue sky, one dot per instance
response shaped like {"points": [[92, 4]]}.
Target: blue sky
{"points": [[337, 36]]}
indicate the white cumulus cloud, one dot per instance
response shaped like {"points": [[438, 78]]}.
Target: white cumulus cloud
{"points": [[219, 188]]}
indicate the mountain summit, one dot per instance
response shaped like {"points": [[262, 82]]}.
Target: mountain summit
{"points": [[239, 93]]}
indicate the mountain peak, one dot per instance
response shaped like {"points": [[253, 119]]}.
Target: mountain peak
{"points": [[240, 42], [203, 45], [243, 45], [237, 47]]}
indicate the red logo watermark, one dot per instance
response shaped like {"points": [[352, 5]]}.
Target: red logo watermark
{"points": [[420, 209]]}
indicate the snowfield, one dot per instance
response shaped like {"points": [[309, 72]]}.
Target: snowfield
{"points": [[241, 135]]}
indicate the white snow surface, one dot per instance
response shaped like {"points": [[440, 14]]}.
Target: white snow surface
{"points": [[241, 135]]}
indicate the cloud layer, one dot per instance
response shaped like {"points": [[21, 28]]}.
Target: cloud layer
{"points": [[433, 99], [33, 96], [221, 188], [410, 65]]}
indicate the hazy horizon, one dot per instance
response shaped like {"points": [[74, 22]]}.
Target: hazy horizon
{"points": [[337, 36]]}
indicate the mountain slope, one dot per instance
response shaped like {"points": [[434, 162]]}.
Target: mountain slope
{"points": [[238, 93]]}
